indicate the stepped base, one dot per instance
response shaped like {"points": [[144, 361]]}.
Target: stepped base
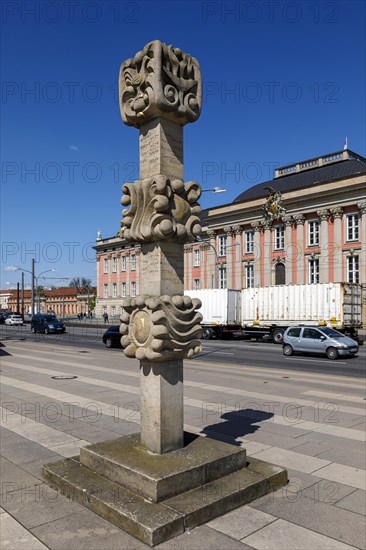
{"points": [[166, 494]]}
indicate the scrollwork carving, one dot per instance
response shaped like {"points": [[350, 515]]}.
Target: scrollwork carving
{"points": [[161, 328], [160, 209], [160, 81]]}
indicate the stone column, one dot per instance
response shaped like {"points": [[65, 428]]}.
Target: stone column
{"points": [[299, 251], [362, 206], [337, 214], [98, 310], [109, 276], [138, 270], [212, 275], [189, 251], [324, 246], [128, 272], [229, 256], [267, 252], [203, 248], [160, 91], [257, 227], [238, 257], [288, 221]]}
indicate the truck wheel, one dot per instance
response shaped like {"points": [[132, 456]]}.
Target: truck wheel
{"points": [[277, 335], [207, 334], [287, 350], [332, 353]]}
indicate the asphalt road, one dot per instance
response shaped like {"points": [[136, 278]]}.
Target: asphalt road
{"points": [[228, 352]]}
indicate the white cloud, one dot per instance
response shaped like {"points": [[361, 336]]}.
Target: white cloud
{"points": [[73, 148]]}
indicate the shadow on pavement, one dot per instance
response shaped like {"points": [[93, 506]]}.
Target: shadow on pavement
{"points": [[236, 424]]}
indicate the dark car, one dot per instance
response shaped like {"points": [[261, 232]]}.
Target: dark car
{"points": [[112, 337], [47, 323]]}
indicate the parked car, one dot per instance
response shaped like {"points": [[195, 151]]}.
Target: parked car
{"points": [[47, 323], [14, 319], [323, 340], [112, 337]]}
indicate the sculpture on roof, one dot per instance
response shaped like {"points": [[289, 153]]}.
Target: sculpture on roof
{"points": [[273, 209]]}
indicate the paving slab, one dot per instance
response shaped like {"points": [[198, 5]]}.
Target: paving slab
{"points": [[345, 455], [38, 506], [84, 531], [14, 478], [203, 538], [327, 491], [355, 502], [326, 519], [283, 535], [344, 474], [241, 522], [14, 536], [290, 459]]}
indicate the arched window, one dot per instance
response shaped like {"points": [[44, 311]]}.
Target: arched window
{"points": [[280, 274]]}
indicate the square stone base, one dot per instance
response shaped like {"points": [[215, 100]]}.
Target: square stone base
{"points": [[157, 497]]}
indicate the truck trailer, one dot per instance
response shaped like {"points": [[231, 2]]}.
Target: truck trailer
{"points": [[266, 312]]}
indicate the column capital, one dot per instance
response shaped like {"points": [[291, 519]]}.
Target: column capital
{"points": [[267, 224], [362, 206], [299, 219], [229, 230], [288, 221], [212, 234], [337, 212], [323, 214], [257, 226], [188, 248], [238, 230]]}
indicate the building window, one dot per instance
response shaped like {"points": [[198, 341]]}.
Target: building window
{"points": [[280, 274], [249, 242], [313, 271], [197, 258], [106, 266], [133, 288], [222, 277], [196, 285], [121, 310], [313, 233], [222, 245], [353, 269], [114, 265], [249, 276], [105, 295], [113, 310], [123, 290], [279, 237], [352, 227], [133, 262], [114, 290], [123, 263]]}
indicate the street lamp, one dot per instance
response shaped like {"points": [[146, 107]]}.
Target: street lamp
{"points": [[33, 279], [214, 190], [37, 287]]}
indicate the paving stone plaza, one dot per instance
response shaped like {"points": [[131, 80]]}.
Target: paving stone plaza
{"points": [[316, 430]]}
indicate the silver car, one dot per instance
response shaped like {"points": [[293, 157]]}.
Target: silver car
{"points": [[322, 340], [14, 319]]}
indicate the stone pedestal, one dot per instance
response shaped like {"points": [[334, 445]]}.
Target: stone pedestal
{"points": [[161, 149], [157, 497]]}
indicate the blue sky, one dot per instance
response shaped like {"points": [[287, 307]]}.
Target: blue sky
{"points": [[282, 82]]}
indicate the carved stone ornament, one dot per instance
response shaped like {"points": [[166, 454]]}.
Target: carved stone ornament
{"points": [[160, 81], [323, 215], [337, 212], [160, 209], [288, 221], [273, 209], [161, 328], [299, 219], [257, 226], [362, 206]]}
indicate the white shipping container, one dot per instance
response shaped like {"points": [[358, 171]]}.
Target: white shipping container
{"points": [[219, 306], [337, 304]]}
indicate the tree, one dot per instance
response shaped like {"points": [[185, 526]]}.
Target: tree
{"points": [[81, 283]]}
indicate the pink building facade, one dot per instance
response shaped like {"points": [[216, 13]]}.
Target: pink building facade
{"points": [[306, 226]]}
